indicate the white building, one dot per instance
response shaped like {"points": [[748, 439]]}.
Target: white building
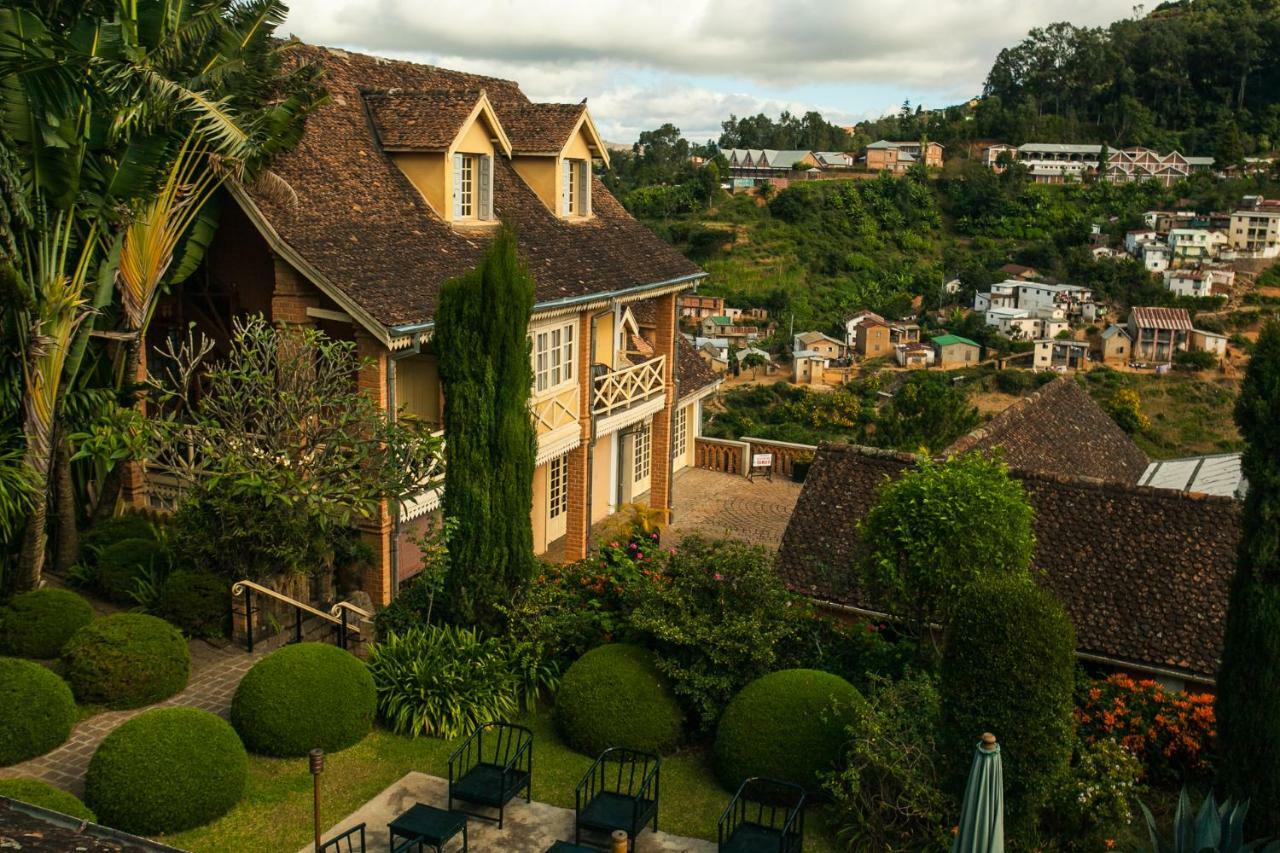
{"points": [[1188, 282], [1256, 233], [1060, 355], [1196, 244], [1058, 162], [1135, 240], [1155, 257]]}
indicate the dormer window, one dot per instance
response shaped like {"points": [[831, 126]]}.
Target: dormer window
{"points": [[575, 188], [472, 186]]}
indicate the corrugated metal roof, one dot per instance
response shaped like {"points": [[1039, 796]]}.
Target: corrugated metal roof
{"points": [[1162, 318], [1217, 474]]}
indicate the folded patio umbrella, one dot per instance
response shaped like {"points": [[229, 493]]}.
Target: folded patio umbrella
{"points": [[981, 827]]}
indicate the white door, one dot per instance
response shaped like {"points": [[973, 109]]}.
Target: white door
{"points": [[557, 497], [641, 459]]}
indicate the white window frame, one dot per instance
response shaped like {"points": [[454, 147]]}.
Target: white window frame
{"points": [[557, 487], [473, 186], [642, 453], [575, 194], [554, 349], [679, 442], [467, 187]]}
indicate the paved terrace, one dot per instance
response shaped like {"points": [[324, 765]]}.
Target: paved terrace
{"points": [[527, 828]]}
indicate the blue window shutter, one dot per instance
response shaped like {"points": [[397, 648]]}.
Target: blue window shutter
{"points": [[485, 193], [564, 188], [457, 186]]}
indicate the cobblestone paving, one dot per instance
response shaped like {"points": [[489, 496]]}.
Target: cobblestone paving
{"points": [[215, 674], [714, 504]]}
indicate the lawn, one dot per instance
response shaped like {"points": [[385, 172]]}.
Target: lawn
{"points": [[275, 814]]}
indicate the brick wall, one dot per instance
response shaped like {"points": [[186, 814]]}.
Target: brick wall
{"points": [[664, 343]]}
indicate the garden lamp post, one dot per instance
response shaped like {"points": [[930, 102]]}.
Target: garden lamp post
{"points": [[981, 828], [317, 767]]}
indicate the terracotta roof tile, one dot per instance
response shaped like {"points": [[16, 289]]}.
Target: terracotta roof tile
{"points": [[1143, 572], [540, 128], [364, 228], [419, 121], [693, 374], [36, 830], [1059, 429]]}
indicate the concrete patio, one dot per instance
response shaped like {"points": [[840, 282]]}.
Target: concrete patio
{"points": [[527, 828]]}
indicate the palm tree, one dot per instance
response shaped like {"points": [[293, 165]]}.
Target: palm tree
{"points": [[125, 118]]}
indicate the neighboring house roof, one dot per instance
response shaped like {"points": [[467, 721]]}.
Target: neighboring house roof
{"points": [[692, 373], [883, 143], [719, 321], [949, 340], [361, 229], [1113, 330], [1143, 572], [1176, 319], [1216, 474], [1059, 429], [32, 829], [1060, 148], [786, 159], [1018, 269], [807, 338]]}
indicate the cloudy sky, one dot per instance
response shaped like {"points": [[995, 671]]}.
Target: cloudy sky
{"points": [[641, 63]]}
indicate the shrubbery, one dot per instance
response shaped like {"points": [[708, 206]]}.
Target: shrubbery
{"points": [[301, 697], [1095, 802], [442, 681], [614, 695], [128, 565], [126, 660], [1195, 360], [108, 532], [1169, 731], [46, 796], [787, 725], [37, 710], [715, 622], [167, 770], [37, 624], [1009, 668], [197, 602]]}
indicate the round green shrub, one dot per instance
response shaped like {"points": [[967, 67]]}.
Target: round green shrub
{"points": [[42, 794], [304, 696], [167, 770], [108, 532], [1008, 667], [37, 710], [197, 602], [615, 696], [126, 660], [787, 725], [122, 565], [37, 624]]}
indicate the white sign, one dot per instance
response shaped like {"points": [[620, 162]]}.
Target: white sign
{"points": [[762, 460]]}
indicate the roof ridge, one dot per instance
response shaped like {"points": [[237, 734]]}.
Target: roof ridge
{"points": [[964, 442], [387, 60]]}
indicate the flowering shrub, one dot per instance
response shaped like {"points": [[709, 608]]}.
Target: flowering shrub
{"points": [[1167, 730], [1094, 804]]}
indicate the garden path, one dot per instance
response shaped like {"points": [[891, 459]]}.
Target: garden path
{"points": [[215, 673]]}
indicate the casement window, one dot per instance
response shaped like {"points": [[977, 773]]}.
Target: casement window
{"points": [[643, 454], [679, 441], [558, 479], [553, 351], [575, 188], [472, 186]]}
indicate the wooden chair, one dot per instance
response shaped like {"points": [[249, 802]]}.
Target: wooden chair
{"points": [[491, 767], [764, 816], [620, 791]]}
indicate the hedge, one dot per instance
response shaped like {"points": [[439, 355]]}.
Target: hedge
{"points": [[106, 533], [167, 770], [615, 696], [304, 696], [37, 624], [37, 710], [197, 602], [1009, 668], [122, 565], [787, 725], [126, 660], [42, 794]]}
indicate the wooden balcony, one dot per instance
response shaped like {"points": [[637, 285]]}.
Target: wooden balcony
{"points": [[619, 390]]}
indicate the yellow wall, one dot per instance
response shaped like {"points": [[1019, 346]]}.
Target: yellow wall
{"points": [[604, 341], [601, 459], [428, 174], [542, 176], [577, 148], [418, 387], [539, 512], [475, 139]]}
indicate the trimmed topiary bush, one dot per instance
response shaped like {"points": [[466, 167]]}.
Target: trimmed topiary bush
{"points": [[197, 602], [122, 565], [106, 533], [37, 624], [42, 794], [37, 710], [167, 770], [788, 725], [304, 696], [1009, 668], [126, 660], [615, 696]]}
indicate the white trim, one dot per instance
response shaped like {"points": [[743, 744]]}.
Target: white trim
{"points": [[627, 417], [327, 314], [421, 504], [703, 393], [558, 442]]}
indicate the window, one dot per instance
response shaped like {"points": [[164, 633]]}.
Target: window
{"points": [[553, 357], [558, 478], [679, 441], [466, 187], [575, 188], [643, 450], [472, 186]]}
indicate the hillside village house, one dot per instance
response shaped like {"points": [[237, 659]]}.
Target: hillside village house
{"points": [[401, 180], [1058, 355], [1159, 333], [1115, 345], [1195, 244], [820, 344], [1256, 233], [697, 308], [766, 162], [1188, 282], [873, 337], [955, 351], [897, 157]]}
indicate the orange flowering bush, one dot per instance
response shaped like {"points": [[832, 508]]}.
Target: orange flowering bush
{"points": [[1169, 731]]}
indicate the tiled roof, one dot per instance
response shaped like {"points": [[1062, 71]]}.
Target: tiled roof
{"points": [[1059, 429], [540, 128], [1161, 318], [361, 225], [692, 373], [420, 121], [1143, 572], [36, 830]]}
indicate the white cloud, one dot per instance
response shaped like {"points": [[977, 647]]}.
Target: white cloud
{"points": [[644, 63]]}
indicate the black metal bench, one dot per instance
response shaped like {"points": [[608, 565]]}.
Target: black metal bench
{"points": [[491, 767], [351, 841], [764, 816], [620, 791]]}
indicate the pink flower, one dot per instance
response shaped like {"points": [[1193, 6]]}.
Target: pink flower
{"points": [[719, 576]]}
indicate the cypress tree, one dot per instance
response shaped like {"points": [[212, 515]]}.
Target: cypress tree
{"points": [[481, 339], [1248, 703]]}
